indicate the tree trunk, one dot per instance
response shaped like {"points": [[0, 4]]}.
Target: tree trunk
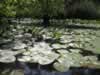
{"points": [[45, 11], [65, 8], [46, 21]]}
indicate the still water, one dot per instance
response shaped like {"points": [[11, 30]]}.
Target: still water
{"points": [[30, 69]]}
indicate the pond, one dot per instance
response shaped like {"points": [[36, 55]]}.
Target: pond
{"points": [[54, 50]]}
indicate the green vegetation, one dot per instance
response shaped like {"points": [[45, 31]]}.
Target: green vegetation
{"points": [[59, 33], [52, 8]]}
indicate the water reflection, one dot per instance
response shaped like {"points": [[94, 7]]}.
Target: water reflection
{"points": [[40, 71]]}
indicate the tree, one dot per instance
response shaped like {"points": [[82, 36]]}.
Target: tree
{"points": [[76, 9], [69, 4], [8, 8], [45, 11]]}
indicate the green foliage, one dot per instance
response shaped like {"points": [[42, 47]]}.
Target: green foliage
{"points": [[28, 8], [8, 8], [82, 9], [31, 8], [56, 35], [52, 8]]}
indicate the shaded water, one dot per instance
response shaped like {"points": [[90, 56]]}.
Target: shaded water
{"points": [[37, 71]]}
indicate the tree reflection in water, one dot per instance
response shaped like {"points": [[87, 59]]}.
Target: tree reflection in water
{"points": [[36, 70]]}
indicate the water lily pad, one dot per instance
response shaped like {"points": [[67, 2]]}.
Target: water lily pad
{"points": [[7, 53], [67, 60], [19, 45], [26, 53], [41, 53], [42, 45], [18, 36], [44, 57], [62, 51], [7, 59], [2, 41], [91, 58], [58, 46], [24, 59], [75, 50], [27, 35], [61, 68], [65, 37]]}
